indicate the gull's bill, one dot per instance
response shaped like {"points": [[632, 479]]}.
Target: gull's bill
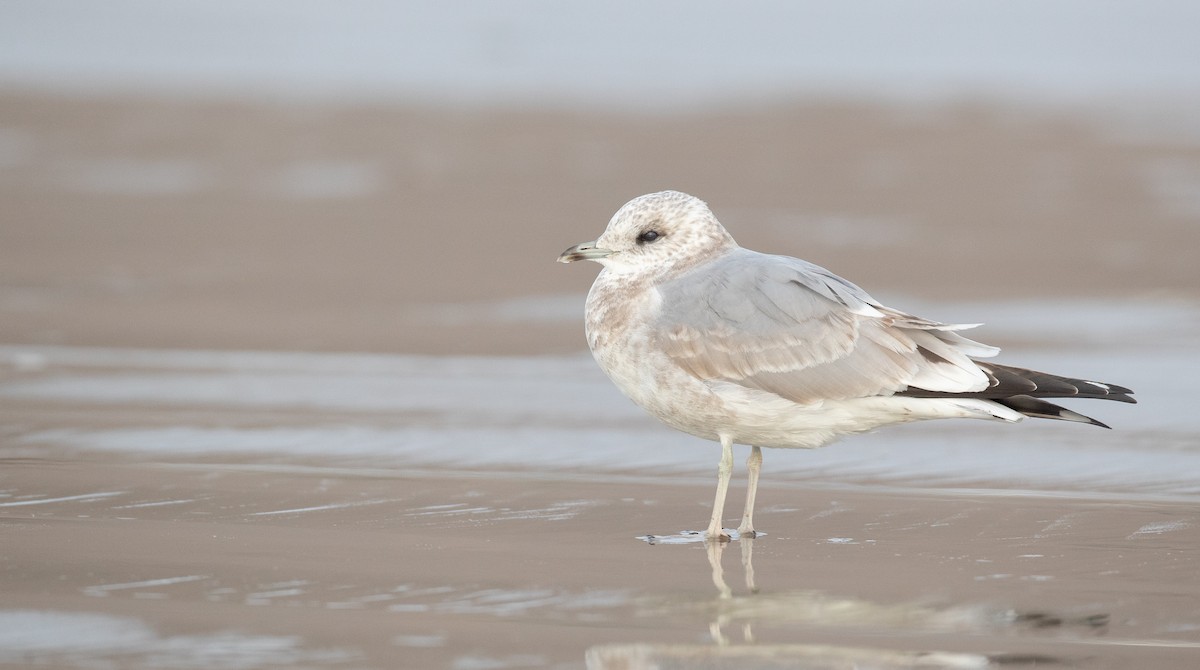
{"points": [[584, 251]]}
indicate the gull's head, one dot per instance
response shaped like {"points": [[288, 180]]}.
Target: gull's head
{"points": [[662, 233]]}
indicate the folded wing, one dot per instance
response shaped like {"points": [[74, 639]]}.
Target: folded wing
{"points": [[785, 326]]}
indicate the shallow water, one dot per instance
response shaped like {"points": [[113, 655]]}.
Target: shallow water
{"points": [[560, 414], [178, 508], [243, 567]]}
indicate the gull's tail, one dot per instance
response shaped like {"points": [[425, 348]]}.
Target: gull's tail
{"points": [[1022, 390]]}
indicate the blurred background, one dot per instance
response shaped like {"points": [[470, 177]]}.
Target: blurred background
{"points": [[289, 376], [400, 176]]}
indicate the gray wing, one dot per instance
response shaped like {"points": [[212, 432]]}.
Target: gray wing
{"points": [[792, 328]]}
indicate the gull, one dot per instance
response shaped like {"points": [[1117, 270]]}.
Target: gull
{"points": [[741, 347]]}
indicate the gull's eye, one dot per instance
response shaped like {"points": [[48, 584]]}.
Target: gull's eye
{"points": [[648, 236]]}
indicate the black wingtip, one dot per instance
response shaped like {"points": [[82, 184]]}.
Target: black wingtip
{"points": [[1040, 409], [1115, 389]]}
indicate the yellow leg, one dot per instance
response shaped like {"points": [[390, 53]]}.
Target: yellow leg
{"points": [[724, 469], [753, 464]]}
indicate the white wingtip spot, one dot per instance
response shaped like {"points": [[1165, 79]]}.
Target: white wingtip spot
{"points": [[865, 309], [1099, 385]]}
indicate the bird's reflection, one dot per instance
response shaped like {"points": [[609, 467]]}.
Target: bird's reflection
{"points": [[733, 615], [715, 550]]}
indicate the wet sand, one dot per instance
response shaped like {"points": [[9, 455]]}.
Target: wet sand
{"points": [[258, 567], [152, 223], [190, 478]]}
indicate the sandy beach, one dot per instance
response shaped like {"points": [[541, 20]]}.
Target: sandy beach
{"points": [[213, 565], [152, 223], [300, 385]]}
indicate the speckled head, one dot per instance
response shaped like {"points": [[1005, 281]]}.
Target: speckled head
{"points": [[659, 233]]}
